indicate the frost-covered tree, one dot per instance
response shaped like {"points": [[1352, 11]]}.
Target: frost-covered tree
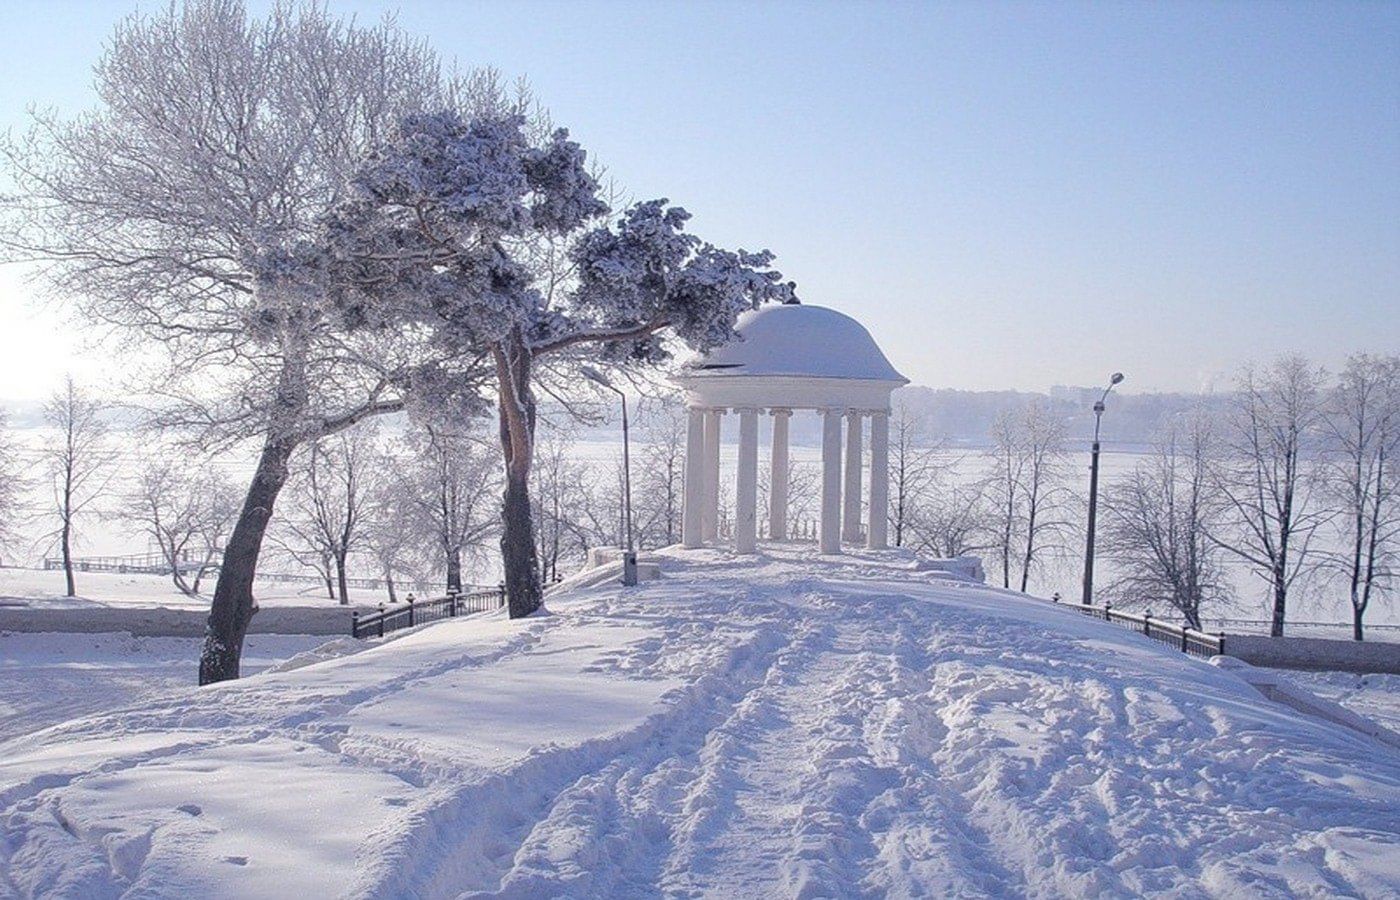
{"points": [[174, 210], [79, 462], [446, 495], [488, 237], [186, 510], [333, 487], [1363, 478]]}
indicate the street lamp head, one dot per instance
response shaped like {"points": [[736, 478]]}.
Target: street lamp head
{"points": [[1117, 377], [596, 377]]}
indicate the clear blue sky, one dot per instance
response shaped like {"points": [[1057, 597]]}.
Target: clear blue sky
{"points": [[1008, 194]]}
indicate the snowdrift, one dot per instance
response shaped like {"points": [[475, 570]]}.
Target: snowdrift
{"points": [[789, 726]]}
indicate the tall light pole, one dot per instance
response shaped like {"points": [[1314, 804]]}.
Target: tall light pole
{"points": [[1094, 493], [629, 555]]}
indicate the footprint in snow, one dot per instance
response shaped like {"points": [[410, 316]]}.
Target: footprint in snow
{"points": [[236, 860], [192, 809]]}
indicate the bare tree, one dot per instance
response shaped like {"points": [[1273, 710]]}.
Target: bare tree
{"points": [[448, 490], [559, 496], [1268, 476], [172, 211], [12, 484], [913, 468], [953, 519], [1158, 519], [187, 512], [1363, 423], [331, 494], [1027, 487], [657, 499], [398, 548], [79, 463]]}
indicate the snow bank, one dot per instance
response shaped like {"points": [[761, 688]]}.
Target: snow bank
{"points": [[781, 726]]}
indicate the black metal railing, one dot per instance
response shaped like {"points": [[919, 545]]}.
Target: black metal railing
{"points": [[1187, 640], [414, 612]]}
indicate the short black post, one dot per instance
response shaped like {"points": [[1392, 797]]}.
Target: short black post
{"points": [[1055, 597], [354, 623], [1147, 623], [1107, 611], [1184, 630], [410, 610], [1222, 644], [381, 620], [501, 589]]}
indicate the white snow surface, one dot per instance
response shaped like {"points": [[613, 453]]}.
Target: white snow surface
{"points": [[789, 725], [798, 340]]}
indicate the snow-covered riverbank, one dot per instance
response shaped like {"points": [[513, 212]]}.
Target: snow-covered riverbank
{"points": [[790, 726]]}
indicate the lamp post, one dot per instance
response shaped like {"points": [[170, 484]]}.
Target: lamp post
{"points": [[1094, 492], [629, 555]]}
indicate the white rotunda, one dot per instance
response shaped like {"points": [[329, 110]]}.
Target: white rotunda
{"points": [[789, 357]]}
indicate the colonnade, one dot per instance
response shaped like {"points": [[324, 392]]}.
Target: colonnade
{"points": [[841, 483]]}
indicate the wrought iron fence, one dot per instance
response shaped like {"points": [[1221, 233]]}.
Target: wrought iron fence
{"points": [[1187, 640], [419, 612]]}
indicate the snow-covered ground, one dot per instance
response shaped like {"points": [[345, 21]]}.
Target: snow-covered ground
{"points": [[1375, 696], [789, 726], [50, 678], [41, 588]]}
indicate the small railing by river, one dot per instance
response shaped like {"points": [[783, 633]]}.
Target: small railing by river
{"points": [[419, 612]]}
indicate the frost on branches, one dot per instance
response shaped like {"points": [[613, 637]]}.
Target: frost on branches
{"points": [[498, 247]]}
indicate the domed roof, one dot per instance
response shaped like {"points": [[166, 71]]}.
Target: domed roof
{"points": [[797, 340]]}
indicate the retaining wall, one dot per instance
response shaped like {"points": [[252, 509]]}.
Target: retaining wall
{"points": [[1314, 654], [149, 621]]}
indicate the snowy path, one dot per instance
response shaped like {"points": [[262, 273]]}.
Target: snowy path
{"points": [[790, 727]]}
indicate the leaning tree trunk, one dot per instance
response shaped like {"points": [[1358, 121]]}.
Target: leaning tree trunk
{"points": [[517, 412], [233, 608]]}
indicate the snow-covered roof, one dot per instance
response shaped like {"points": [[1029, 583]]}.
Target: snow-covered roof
{"points": [[797, 340]]}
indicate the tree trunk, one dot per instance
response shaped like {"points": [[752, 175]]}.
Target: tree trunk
{"points": [[1280, 603], [1357, 613], [232, 608], [341, 580], [454, 572], [389, 585], [67, 541], [517, 413]]}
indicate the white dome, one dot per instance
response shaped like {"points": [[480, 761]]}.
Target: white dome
{"points": [[797, 340]]}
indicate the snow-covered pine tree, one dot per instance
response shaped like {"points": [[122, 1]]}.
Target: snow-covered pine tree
{"points": [[495, 242]]}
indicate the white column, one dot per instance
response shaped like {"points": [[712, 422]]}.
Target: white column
{"points": [[831, 481], [778, 477], [746, 501], [850, 523], [877, 538], [709, 517], [691, 535]]}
